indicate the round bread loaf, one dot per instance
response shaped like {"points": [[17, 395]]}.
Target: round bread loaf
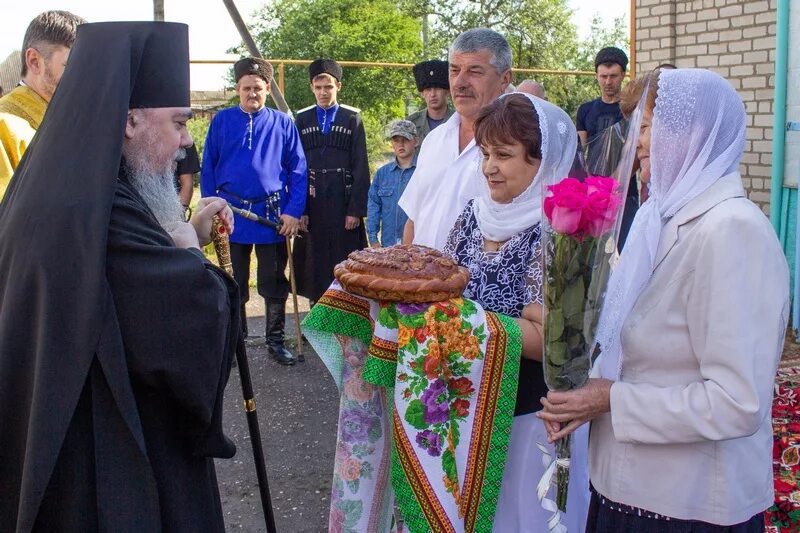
{"points": [[402, 273]]}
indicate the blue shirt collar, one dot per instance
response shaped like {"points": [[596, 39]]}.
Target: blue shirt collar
{"points": [[259, 112], [325, 117], [397, 165]]}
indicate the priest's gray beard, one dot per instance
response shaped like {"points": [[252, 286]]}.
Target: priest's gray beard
{"points": [[157, 188]]}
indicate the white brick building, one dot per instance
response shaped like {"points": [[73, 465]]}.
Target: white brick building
{"points": [[735, 38]]}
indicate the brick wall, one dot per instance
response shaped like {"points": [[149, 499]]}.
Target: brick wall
{"points": [[735, 38]]}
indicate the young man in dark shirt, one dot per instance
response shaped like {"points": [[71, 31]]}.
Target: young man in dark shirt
{"points": [[595, 120]]}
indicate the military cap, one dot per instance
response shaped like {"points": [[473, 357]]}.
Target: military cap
{"points": [[431, 73], [324, 66], [611, 54], [403, 128], [252, 65]]}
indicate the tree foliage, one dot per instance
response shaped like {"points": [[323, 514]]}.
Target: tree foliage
{"points": [[568, 91], [353, 30], [540, 33]]}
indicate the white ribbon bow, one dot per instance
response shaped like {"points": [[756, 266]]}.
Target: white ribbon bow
{"points": [[550, 464]]}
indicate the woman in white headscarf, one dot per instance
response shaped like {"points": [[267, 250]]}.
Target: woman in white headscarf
{"points": [[691, 332], [524, 140]]}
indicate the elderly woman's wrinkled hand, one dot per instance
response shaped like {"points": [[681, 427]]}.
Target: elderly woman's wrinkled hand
{"points": [[566, 411]]}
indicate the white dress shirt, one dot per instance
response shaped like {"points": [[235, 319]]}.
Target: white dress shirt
{"points": [[444, 181]]}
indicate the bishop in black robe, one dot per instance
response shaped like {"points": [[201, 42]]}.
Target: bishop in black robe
{"points": [[115, 345]]}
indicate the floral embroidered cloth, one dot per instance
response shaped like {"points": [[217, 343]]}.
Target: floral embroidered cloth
{"points": [[784, 516], [427, 401]]}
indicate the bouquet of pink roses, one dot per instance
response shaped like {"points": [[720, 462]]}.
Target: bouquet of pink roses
{"points": [[579, 247]]}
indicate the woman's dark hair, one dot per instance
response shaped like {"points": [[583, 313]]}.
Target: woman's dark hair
{"points": [[508, 120]]}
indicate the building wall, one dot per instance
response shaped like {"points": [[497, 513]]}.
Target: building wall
{"points": [[735, 38]]}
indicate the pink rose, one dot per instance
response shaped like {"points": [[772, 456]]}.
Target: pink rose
{"points": [[600, 183], [357, 389], [601, 211], [349, 469], [564, 208]]}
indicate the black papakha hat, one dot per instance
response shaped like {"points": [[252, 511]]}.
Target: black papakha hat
{"points": [[611, 54], [253, 65], [432, 73], [324, 66]]}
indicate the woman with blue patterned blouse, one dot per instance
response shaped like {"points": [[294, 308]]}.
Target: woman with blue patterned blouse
{"points": [[524, 140]]}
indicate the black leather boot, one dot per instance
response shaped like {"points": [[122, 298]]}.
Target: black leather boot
{"points": [[276, 318]]}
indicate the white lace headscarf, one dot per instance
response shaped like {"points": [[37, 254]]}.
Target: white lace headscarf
{"points": [[499, 222], [697, 137]]}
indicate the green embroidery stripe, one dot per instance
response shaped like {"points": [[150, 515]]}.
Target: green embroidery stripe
{"points": [[337, 312], [379, 371], [480, 451], [383, 349], [510, 349], [408, 481]]}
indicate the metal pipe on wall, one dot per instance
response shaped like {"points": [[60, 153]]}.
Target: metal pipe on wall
{"points": [[779, 114]]}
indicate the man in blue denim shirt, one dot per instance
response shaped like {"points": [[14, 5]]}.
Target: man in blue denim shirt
{"points": [[388, 185]]}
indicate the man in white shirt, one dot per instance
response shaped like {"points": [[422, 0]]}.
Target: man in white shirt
{"points": [[448, 171]]}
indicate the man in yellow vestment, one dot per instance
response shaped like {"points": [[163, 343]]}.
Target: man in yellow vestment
{"points": [[45, 49]]}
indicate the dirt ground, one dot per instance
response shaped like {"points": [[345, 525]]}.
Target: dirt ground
{"points": [[297, 408]]}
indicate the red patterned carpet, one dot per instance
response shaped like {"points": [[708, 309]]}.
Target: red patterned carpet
{"points": [[784, 516]]}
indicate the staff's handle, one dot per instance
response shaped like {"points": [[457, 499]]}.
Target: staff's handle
{"points": [[222, 245]]}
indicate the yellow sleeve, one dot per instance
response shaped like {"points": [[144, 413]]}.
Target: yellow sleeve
{"points": [[15, 136]]}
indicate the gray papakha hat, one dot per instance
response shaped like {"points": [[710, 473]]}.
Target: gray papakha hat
{"points": [[403, 128]]}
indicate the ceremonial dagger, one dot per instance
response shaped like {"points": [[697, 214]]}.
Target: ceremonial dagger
{"points": [[219, 236]]}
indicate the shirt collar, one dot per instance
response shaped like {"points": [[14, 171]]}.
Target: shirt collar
{"points": [[259, 112], [396, 166], [332, 109]]}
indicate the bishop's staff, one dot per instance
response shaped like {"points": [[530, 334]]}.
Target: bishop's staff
{"points": [[219, 236]]}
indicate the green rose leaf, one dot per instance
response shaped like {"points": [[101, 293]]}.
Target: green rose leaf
{"points": [[456, 434], [449, 465], [576, 342], [468, 309], [412, 321], [387, 317], [352, 510], [554, 327], [415, 414], [412, 347], [556, 353], [572, 299], [375, 431]]}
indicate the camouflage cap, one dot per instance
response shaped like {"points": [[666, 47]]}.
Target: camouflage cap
{"points": [[403, 128]]}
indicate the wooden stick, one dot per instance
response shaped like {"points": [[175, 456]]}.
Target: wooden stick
{"points": [[298, 334]]}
